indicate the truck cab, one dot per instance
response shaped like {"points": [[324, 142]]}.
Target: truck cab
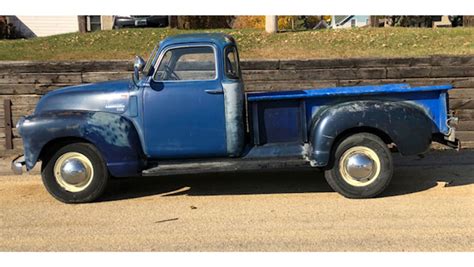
{"points": [[193, 99], [185, 110]]}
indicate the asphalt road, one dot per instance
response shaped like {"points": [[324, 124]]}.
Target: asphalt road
{"points": [[428, 207]]}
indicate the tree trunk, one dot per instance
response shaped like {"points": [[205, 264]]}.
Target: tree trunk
{"points": [[82, 20], [271, 24], [468, 21], [173, 21]]}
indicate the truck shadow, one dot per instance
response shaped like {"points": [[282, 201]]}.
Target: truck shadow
{"points": [[244, 183], [411, 176]]}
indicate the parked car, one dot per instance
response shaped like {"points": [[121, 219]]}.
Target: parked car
{"points": [[140, 21], [185, 111]]}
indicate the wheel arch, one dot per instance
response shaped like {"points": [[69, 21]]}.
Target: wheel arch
{"points": [[114, 136], [385, 137], [56, 143], [404, 124]]}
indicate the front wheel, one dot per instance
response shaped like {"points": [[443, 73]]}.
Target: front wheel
{"points": [[76, 173], [362, 166]]}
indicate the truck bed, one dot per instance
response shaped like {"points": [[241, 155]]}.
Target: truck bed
{"points": [[286, 116]]}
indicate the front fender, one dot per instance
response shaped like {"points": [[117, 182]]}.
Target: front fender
{"points": [[113, 135], [408, 125]]}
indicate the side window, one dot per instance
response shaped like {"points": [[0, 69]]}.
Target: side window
{"points": [[232, 69], [187, 64]]}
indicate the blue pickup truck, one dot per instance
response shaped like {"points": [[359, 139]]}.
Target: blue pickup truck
{"points": [[185, 111]]}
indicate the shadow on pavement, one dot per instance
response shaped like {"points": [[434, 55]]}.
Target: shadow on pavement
{"points": [[411, 175], [219, 184]]}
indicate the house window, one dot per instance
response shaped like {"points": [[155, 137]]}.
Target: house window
{"points": [[93, 23], [353, 23]]}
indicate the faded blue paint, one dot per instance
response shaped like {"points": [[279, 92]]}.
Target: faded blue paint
{"points": [[198, 128], [219, 40], [113, 135], [404, 123], [235, 116], [181, 120], [104, 96], [345, 91], [131, 124], [431, 98]]}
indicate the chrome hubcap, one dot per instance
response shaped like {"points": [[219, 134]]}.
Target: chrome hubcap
{"points": [[73, 171], [359, 166]]}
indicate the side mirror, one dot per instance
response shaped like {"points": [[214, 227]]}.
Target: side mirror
{"points": [[138, 66]]}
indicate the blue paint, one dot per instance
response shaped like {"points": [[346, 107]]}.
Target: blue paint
{"points": [[133, 106], [219, 40], [276, 114], [113, 135], [345, 91], [104, 96], [177, 119], [431, 98], [181, 120], [404, 123]]}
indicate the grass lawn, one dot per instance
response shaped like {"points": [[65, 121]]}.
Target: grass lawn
{"points": [[344, 43]]}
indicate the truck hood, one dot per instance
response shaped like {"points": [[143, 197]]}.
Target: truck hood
{"points": [[104, 96]]}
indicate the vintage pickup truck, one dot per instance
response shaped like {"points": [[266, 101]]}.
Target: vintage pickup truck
{"points": [[185, 111]]}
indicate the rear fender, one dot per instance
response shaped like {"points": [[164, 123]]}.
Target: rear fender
{"points": [[406, 124], [113, 135]]}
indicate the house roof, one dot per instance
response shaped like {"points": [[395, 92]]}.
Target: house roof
{"points": [[342, 19]]}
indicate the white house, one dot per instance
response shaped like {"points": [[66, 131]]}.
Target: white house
{"points": [[37, 26], [349, 21]]}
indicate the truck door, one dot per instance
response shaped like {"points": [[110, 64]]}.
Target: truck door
{"points": [[184, 115]]}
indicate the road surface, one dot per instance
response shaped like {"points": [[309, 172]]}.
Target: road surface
{"points": [[428, 207]]}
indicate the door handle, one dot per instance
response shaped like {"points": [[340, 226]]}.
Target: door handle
{"points": [[214, 92]]}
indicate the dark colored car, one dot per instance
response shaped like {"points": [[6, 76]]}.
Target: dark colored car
{"points": [[140, 21]]}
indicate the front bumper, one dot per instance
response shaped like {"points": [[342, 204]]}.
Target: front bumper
{"points": [[17, 165]]}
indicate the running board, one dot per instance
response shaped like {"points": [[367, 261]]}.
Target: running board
{"points": [[224, 165]]}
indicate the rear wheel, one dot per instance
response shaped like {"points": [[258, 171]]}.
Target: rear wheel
{"points": [[76, 173], [362, 166]]}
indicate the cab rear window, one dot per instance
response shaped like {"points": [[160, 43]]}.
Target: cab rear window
{"points": [[232, 68]]}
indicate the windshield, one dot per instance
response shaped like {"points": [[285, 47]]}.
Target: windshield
{"points": [[149, 62]]}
